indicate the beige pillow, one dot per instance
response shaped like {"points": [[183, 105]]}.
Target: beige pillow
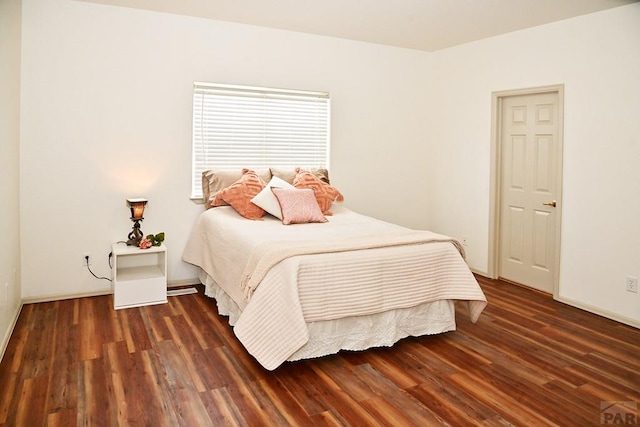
{"points": [[214, 180], [289, 174]]}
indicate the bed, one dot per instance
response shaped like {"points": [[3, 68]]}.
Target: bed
{"points": [[345, 282]]}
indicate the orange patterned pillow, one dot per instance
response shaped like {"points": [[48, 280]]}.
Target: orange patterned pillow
{"points": [[325, 193], [240, 193], [214, 180]]}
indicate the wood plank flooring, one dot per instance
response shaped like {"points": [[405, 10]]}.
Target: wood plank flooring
{"points": [[529, 361]]}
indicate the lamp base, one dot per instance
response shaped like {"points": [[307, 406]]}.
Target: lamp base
{"points": [[136, 234]]}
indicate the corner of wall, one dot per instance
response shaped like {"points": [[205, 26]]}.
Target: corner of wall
{"points": [[10, 81], [9, 331]]}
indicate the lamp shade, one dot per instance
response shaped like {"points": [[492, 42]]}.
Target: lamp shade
{"points": [[137, 207]]}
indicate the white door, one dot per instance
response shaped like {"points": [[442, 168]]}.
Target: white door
{"points": [[530, 182]]}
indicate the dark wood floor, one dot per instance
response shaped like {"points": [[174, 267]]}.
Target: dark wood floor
{"points": [[529, 361]]}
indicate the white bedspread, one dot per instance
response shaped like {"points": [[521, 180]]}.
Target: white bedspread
{"points": [[222, 241], [302, 289]]}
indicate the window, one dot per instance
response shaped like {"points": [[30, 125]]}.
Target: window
{"points": [[241, 126]]}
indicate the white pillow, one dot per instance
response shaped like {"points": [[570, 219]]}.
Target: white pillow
{"points": [[267, 200]]}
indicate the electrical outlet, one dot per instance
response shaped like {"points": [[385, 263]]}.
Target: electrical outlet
{"points": [[86, 261], [631, 284]]}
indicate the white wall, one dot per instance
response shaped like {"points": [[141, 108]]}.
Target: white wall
{"points": [[597, 58], [106, 115], [10, 23]]}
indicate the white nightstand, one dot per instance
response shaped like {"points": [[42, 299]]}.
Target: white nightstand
{"points": [[139, 276]]}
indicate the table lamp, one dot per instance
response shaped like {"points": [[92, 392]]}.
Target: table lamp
{"points": [[137, 210]]}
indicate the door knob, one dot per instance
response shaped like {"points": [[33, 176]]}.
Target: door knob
{"points": [[551, 203]]}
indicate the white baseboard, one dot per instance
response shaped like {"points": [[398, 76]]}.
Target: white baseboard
{"points": [[600, 312], [59, 297], [7, 336], [183, 282], [480, 273]]}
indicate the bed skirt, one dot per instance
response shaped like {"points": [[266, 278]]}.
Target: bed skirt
{"points": [[354, 333]]}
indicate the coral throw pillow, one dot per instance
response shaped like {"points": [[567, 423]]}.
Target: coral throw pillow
{"points": [[298, 206], [240, 193], [325, 194]]}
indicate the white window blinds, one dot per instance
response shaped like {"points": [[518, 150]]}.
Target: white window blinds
{"points": [[240, 126]]}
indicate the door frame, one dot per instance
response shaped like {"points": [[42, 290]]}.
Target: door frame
{"points": [[495, 198]]}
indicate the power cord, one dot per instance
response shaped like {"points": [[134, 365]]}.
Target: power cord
{"points": [[86, 259]]}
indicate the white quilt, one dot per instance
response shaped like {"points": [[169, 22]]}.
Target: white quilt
{"points": [[309, 285]]}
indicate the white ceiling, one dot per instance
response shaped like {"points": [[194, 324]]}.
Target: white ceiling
{"points": [[416, 24]]}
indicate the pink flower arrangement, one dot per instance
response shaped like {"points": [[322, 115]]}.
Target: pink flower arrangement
{"points": [[145, 243], [151, 240]]}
